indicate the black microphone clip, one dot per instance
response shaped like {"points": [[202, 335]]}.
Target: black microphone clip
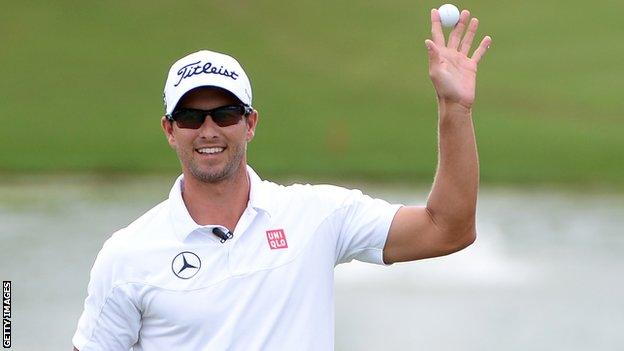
{"points": [[221, 234]]}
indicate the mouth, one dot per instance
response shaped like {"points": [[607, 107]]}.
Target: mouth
{"points": [[210, 150]]}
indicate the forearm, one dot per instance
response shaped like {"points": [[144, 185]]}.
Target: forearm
{"points": [[453, 198]]}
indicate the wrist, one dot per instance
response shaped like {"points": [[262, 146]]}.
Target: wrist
{"points": [[447, 107]]}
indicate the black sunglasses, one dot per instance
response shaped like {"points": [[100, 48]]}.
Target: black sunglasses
{"points": [[223, 116]]}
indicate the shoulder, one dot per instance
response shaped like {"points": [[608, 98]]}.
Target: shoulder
{"points": [[149, 226], [124, 249], [323, 198], [328, 194]]}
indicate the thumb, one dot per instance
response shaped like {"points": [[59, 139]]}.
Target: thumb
{"points": [[432, 50]]}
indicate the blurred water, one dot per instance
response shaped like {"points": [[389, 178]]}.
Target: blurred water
{"points": [[545, 273]]}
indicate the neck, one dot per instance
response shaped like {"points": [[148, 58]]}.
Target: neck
{"points": [[220, 203]]}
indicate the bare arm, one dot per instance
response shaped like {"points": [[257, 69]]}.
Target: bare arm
{"points": [[447, 223]]}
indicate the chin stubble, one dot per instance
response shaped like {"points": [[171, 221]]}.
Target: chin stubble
{"points": [[226, 172]]}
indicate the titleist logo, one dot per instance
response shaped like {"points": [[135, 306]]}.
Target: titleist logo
{"points": [[196, 68]]}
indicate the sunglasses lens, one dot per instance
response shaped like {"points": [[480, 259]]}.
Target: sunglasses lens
{"points": [[222, 116], [227, 116], [190, 119]]}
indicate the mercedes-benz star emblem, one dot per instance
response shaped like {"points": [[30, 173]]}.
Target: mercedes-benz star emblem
{"points": [[185, 265]]}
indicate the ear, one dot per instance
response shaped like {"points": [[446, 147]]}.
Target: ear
{"points": [[252, 122], [167, 127]]}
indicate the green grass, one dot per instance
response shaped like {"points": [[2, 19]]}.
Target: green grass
{"points": [[342, 86]]}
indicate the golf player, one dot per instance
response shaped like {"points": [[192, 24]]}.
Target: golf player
{"points": [[233, 262]]}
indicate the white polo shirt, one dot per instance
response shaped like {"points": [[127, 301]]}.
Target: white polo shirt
{"points": [[167, 283]]}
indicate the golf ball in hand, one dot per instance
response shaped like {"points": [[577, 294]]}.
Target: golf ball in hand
{"points": [[449, 15]]}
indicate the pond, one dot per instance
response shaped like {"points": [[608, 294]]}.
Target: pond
{"points": [[544, 274]]}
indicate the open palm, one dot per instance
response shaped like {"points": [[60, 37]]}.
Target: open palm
{"points": [[452, 72]]}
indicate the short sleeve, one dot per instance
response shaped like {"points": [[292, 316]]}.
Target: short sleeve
{"points": [[111, 318], [363, 224]]}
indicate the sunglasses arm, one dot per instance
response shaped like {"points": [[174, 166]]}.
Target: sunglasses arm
{"points": [[247, 110]]}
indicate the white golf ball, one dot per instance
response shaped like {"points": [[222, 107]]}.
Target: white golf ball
{"points": [[449, 15]]}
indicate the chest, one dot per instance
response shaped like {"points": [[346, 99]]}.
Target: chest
{"points": [[268, 267]]}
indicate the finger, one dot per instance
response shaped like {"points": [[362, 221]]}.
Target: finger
{"points": [[483, 47], [436, 28], [458, 31], [433, 51], [469, 37]]}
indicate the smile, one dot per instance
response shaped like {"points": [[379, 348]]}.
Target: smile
{"points": [[210, 150]]}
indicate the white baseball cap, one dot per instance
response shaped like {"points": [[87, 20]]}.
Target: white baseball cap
{"points": [[206, 69]]}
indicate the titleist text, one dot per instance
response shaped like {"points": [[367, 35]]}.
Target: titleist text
{"points": [[196, 68]]}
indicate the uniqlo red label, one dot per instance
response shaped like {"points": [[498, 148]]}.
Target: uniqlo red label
{"points": [[277, 239]]}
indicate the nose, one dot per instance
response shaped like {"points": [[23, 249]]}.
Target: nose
{"points": [[209, 129]]}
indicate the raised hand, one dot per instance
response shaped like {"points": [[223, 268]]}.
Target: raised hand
{"points": [[452, 72]]}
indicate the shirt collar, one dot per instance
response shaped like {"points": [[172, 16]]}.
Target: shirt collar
{"points": [[184, 224], [259, 197]]}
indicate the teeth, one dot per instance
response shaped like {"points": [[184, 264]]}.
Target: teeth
{"points": [[210, 150]]}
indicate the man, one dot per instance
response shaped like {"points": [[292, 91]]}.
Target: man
{"points": [[231, 262]]}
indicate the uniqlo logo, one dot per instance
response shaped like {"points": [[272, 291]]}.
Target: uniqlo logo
{"points": [[277, 239]]}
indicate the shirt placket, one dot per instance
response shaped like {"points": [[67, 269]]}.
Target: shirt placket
{"points": [[241, 227]]}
